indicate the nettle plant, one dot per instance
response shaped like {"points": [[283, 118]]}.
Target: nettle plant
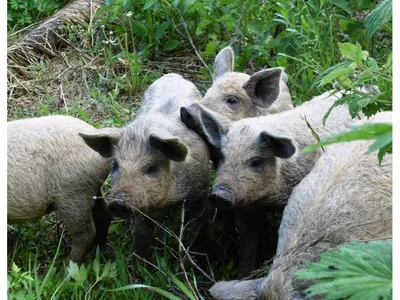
{"points": [[370, 83], [359, 70], [356, 270]]}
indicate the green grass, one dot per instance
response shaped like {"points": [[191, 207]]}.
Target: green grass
{"points": [[100, 78]]}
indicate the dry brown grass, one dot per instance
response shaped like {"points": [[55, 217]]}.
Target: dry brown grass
{"points": [[44, 64]]}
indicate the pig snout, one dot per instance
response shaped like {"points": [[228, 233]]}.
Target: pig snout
{"points": [[220, 198], [119, 208]]}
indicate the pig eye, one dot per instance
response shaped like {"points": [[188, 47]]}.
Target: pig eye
{"points": [[152, 169], [256, 163], [115, 166], [231, 100]]}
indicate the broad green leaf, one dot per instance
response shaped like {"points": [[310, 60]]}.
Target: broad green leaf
{"points": [[200, 7], [113, 228], [187, 4], [384, 139], [148, 4], [358, 102], [176, 3], [211, 47], [256, 27], [202, 24], [341, 65], [139, 28], [335, 74], [161, 30], [371, 109], [227, 18], [76, 273], [15, 268], [383, 151], [356, 271], [171, 44], [304, 24], [343, 4], [369, 131], [224, 2], [364, 4], [96, 263], [359, 55], [348, 50], [378, 17], [110, 270], [388, 65], [166, 294], [337, 103], [125, 3]]}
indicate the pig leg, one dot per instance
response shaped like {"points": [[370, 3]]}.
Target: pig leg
{"points": [[77, 218], [200, 212], [102, 220], [249, 232], [143, 235]]}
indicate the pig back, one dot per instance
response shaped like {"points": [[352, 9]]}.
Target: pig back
{"points": [[346, 186], [167, 94]]}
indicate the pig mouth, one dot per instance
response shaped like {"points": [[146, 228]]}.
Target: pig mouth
{"points": [[121, 209], [221, 198]]}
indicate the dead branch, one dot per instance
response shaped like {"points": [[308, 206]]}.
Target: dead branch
{"points": [[43, 39]]}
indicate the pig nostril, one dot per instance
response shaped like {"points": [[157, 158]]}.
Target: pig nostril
{"points": [[220, 189]]}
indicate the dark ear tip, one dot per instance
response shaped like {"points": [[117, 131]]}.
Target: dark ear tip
{"points": [[289, 150], [228, 48], [183, 109], [183, 155]]}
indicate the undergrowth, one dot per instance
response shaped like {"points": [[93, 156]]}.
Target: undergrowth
{"points": [[106, 66]]}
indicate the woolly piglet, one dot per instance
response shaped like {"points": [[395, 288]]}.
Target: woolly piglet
{"points": [[261, 162], [234, 96], [158, 162], [237, 95], [347, 196], [51, 168]]}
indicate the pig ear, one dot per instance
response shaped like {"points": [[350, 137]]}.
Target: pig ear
{"points": [[103, 141], [190, 116], [282, 147], [237, 289], [224, 62], [263, 86], [170, 147], [212, 128]]}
